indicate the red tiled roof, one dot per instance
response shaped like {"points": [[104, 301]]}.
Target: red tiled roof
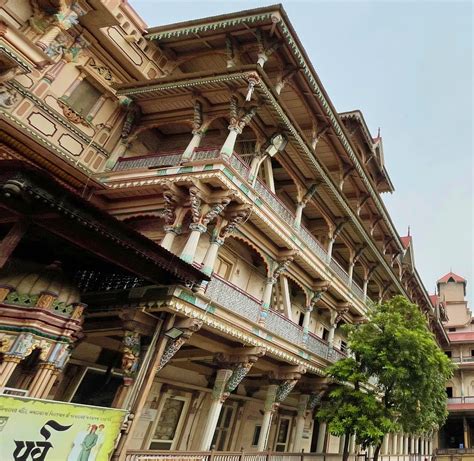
{"points": [[449, 275], [406, 240], [461, 337]]}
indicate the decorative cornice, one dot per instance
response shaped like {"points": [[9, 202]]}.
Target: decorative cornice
{"points": [[217, 25], [14, 57]]}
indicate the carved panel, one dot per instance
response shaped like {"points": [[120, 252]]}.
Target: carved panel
{"points": [[70, 144], [42, 124]]}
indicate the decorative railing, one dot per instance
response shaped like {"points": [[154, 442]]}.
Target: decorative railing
{"points": [[343, 275], [164, 159], [284, 327], [153, 455], [317, 345], [157, 160], [233, 298]]}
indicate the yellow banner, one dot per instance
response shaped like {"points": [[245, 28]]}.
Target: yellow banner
{"points": [[43, 430]]}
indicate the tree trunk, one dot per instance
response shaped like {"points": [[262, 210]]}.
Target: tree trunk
{"points": [[345, 451], [377, 451]]}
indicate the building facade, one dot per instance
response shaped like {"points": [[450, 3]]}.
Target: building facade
{"points": [[458, 432], [217, 216]]}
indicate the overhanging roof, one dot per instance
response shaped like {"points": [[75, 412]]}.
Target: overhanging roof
{"points": [[34, 195]]}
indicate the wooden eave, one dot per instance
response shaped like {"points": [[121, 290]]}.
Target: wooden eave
{"points": [[34, 195], [205, 28]]}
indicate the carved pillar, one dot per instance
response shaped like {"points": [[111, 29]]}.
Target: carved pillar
{"points": [[321, 444], [282, 383], [353, 260], [200, 221], [306, 321], [236, 367], [300, 421], [238, 120], [211, 254], [368, 275], [271, 280], [332, 327], [303, 202], [48, 37], [227, 226], [198, 132], [42, 381], [315, 296], [173, 215], [332, 238], [130, 359], [10, 362]]}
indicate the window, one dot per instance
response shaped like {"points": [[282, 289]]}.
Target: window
{"points": [[83, 98], [451, 329], [223, 268], [222, 433], [472, 352], [325, 334], [449, 354], [283, 433], [449, 392], [256, 435], [343, 346], [168, 426]]}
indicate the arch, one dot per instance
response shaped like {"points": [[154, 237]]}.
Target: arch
{"points": [[264, 258]]}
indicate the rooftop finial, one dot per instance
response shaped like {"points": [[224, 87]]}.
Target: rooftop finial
{"points": [[378, 133], [408, 231]]}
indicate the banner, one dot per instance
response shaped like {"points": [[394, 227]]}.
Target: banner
{"points": [[44, 430]]}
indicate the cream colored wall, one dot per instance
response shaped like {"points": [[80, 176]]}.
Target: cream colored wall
{"points": [[451, 291]]}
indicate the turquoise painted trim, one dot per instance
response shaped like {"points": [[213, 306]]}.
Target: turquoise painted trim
{"points": [[187, 258]]}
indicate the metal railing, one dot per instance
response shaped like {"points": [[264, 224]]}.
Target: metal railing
{"points": [[173, 158]]}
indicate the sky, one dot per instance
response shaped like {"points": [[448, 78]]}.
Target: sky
{"points": [[408, 66]]}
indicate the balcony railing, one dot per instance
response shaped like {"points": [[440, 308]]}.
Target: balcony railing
{"points": [[173, 158], [463, 359], [460, 400], [153, 455], [236, 300]]}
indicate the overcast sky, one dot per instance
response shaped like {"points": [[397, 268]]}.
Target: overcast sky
{"points": [[408, 67]]}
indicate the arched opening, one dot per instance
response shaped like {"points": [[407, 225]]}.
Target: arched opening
{"points": [[240, 264]]}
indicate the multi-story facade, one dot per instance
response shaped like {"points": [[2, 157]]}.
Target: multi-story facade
{"points": [[250, 204], [450, 300]]}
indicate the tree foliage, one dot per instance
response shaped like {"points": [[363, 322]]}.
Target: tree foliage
{"points": [[394, 379]]}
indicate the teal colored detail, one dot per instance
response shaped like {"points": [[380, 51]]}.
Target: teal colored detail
{"points": [[187, 297], [245, 189], [208, 167], [162, 172], [187, 258], [185, 169], [228, 173]]}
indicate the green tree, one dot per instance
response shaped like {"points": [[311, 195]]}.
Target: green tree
{"points": [[394, 380]]}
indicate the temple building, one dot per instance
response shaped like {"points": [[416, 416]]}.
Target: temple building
{"points": [[186, 223], [450, 301]]}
